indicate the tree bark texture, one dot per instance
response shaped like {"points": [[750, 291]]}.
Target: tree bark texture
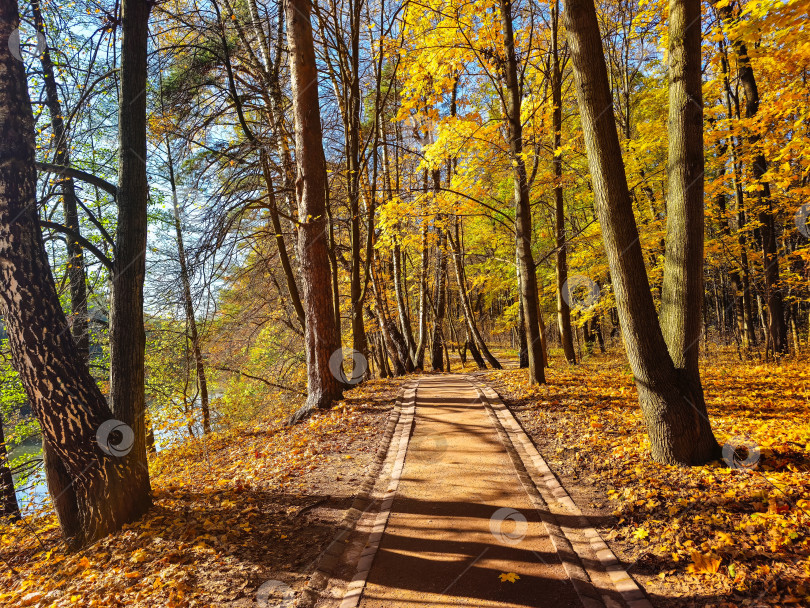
{"points": [[673, 407], [320, 335]]}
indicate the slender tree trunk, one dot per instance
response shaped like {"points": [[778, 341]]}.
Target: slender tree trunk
{"points": [[469, 318], [8, 498], [76, 271], [402, 307], [523, 219], [65, 398], [670, 394], [127, 334], [746, 299], [188, 303], [563, 309], [320, 335], [437, 346], [523, 357], [776, 327], [419, 362]]}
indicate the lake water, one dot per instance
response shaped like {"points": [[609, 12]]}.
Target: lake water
{"points": [[33, 493]]}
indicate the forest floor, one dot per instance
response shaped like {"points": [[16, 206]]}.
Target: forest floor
{"points": [[254, 503], [700, 536], [259, 502]]}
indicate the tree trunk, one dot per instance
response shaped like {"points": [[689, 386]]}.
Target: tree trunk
{"points": [[419, 360], [76, 272], [8, 498], [469, 318], [320, 335], [127, 335], [437, 346], [671, 397], [188, 303], [65, 398], [563, 309], [523, 219], [402, 306], [776, 327]]}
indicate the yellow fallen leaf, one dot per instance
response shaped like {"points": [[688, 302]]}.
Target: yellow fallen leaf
{"points": [[508, 576], [707, 564], [139, 556]]}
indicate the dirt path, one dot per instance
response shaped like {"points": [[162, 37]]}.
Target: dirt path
{"points": [[461, 517]]}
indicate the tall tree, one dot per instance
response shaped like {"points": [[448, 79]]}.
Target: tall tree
{"points": [[563, 308], [76, 271], [313, 254], [188, 303], [670, 393], [71, 410], [127, 334], [777, 329], [523, 214]]}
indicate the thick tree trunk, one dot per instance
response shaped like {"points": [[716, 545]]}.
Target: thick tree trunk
{"points": [[563, 309], [76, 272], [671, 397], [8, 498], [320, 335], [523, 217], [65, 398], [188, 303], [127, 335]]}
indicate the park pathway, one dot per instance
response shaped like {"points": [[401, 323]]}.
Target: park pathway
{"points": [[461, 518]]}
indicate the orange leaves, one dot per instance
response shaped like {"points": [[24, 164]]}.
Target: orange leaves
{"points": [[707, 528], [703, 564]]}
